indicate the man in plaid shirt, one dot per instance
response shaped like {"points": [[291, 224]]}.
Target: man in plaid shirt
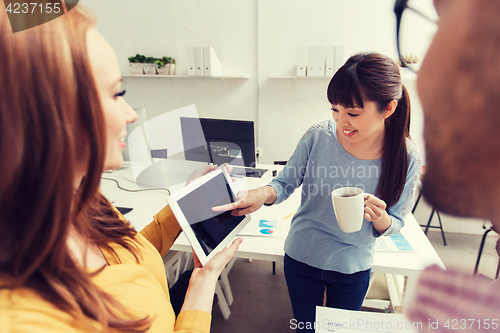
{"points": [[459, 88]]}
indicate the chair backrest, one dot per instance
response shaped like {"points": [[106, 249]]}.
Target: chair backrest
{"points": [[480, 253]]}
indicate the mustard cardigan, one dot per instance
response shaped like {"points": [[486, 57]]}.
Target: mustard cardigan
{"points": [[141, 287]]}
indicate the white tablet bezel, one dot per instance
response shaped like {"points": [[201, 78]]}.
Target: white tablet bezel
{"points": [[188, 231]]}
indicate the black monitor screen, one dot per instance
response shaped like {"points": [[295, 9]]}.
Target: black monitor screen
{"points": [[219, 141]]}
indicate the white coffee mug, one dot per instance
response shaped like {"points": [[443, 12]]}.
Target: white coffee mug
{"points": [[349, 207]]}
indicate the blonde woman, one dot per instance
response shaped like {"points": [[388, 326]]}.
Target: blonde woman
{"points": [[69, 262]]}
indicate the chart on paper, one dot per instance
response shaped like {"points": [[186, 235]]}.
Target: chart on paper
{"points": [[263, 227], [396, 242]]}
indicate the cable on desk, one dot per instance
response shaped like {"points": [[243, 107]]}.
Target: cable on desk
{"points": [[115, 171], [141, 190]]}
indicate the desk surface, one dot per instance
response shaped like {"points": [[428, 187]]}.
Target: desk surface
{"points": [[148, 203]]}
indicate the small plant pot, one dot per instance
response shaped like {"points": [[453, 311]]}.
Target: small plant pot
{"points": [[136, 68], [150, 69], [171, 69], [164, 70]]}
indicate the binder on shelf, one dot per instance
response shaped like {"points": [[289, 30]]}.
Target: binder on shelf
{"points": [[330, 61], [311, 61], [339, 56], [212, 64], [320, 61], [198, 61], [301, 61], [190, 61]]}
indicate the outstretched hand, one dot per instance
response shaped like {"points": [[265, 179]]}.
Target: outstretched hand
{"points": [[249, 201]]}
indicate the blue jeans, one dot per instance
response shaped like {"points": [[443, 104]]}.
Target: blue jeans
{"points": [[306, 287]]}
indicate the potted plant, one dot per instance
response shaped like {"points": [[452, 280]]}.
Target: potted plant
{"points": [[172, 67], [136, 64], [163, 65], [150, 68]]}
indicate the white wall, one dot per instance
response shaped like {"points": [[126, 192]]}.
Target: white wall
{"points": [[165, 28], [285, 111], [258, 39], [255, 38]]}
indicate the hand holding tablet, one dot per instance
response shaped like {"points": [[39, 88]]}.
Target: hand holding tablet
{"points": [[206, 169], [208, 231]]}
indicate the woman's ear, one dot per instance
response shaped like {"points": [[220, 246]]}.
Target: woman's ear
{"points": [[391, 107]]}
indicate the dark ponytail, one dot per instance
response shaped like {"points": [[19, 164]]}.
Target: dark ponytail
{"points": [[375, 77], [395, 156]]}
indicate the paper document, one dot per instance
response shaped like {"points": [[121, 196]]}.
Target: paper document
{"points": [[396, 242], [263, 227], [346, 321]]}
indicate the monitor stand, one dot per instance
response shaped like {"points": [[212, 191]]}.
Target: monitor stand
{"points": [[239, 171]]}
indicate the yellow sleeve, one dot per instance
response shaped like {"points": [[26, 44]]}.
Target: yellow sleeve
{"points": [[163, 231], [29, 313], [39, 324], [193, 321], [23, 311]]}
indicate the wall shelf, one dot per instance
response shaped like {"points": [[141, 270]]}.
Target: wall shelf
{"points": [[223, 78], [294, 78], [406, 75], [300, 77]]}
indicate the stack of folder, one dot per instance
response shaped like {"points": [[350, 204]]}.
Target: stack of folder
{"points": [[319, 61], [203, 61]]}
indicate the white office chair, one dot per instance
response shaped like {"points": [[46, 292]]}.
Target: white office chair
{"points": [[172, 262], [480, 252]]}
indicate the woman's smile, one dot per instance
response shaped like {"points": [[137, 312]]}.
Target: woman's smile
{"points": [[122, 143], [349, 133]]}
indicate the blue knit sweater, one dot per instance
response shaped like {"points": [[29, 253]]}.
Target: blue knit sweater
{"points": [[320, 164]]}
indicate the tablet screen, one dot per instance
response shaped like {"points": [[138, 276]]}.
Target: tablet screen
{"points": [[209, 227]]}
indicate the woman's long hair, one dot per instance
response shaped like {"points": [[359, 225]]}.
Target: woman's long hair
{"points": [[375, 77], [51, 123]]}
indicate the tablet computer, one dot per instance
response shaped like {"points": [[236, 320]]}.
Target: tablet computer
{"points": [[208, 232]]}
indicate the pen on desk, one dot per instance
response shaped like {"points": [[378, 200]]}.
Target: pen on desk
{"points": [[289, 215]]}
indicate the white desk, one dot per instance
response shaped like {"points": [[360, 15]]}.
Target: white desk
{"points": [[404, 266]]}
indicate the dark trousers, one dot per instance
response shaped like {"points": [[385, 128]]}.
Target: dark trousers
{"points": [[178, 291], [306, 287]]}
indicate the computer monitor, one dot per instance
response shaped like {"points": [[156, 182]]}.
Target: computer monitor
{"points": [[220, 141]]}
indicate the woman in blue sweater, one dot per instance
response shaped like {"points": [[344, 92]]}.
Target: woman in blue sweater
{"points": [[365, 145]]}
